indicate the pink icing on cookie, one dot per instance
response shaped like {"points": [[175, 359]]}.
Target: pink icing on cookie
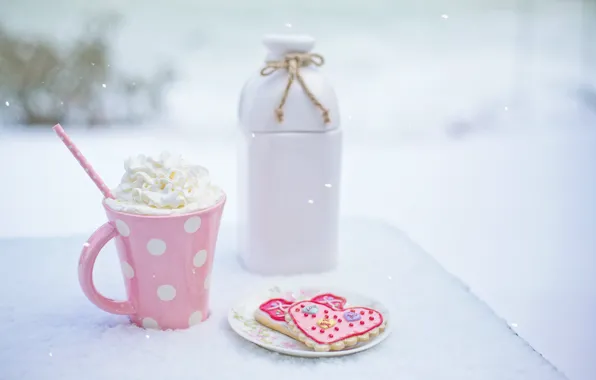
{"points": [[329, 326], [331, 300], [276, 308]]}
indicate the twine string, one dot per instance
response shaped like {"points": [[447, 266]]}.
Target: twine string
{"points": [[292, 64]]}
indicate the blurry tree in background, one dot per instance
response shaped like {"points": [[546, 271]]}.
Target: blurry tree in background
{"points": [[46, 83]]}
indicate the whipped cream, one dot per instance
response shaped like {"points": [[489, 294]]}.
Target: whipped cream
{"points": [[162, 186]]}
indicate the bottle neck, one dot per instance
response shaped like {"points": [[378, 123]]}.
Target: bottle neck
{"points": [[279, 45]]}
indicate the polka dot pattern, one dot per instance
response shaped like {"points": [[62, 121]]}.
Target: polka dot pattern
{"points": [[127, 270], [207, 283], [200, 258], [156, 247], [195, 318], [166, 264], [192, 225], [166, 292], [82, 160], [122, 228], [150, 323]]}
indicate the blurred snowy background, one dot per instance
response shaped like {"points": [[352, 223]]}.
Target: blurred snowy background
{"points": [[482, 114]]}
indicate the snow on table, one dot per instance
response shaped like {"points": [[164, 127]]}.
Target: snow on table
{"points": [[48, 330]]}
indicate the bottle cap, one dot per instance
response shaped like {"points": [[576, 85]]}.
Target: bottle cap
{"points": [[281, 44]]}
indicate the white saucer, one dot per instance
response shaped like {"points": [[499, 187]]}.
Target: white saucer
{"points": [[242, 320]]}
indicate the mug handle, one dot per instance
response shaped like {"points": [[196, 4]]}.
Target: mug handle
{"points": [[91, 249]]}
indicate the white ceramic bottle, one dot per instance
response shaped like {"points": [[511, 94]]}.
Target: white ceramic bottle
{"points": [[289, 170]]}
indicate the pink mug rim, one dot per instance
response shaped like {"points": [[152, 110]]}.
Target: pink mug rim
{"points": [[219, 203]]}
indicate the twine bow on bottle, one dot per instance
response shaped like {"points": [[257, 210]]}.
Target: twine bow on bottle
{"points": [[292, 63]]}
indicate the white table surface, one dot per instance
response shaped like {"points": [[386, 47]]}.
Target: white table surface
{"points": [[50, 330], [510, 214]]}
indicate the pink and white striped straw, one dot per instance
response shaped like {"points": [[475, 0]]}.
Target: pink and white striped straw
{"points": [[83, 161]]}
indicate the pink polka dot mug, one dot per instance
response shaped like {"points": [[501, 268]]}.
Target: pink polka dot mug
{"points": [[166, 263]]}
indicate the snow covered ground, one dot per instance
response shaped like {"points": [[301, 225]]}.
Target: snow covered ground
{"points": [[509, 208], [511, 215], [440, 329]]}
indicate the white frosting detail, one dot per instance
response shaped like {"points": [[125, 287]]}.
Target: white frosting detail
{"points": [[163, 186]]}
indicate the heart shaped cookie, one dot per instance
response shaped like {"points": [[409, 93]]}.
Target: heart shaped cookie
{"points": [[332, 329], [331, 300], [272, 312]]}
